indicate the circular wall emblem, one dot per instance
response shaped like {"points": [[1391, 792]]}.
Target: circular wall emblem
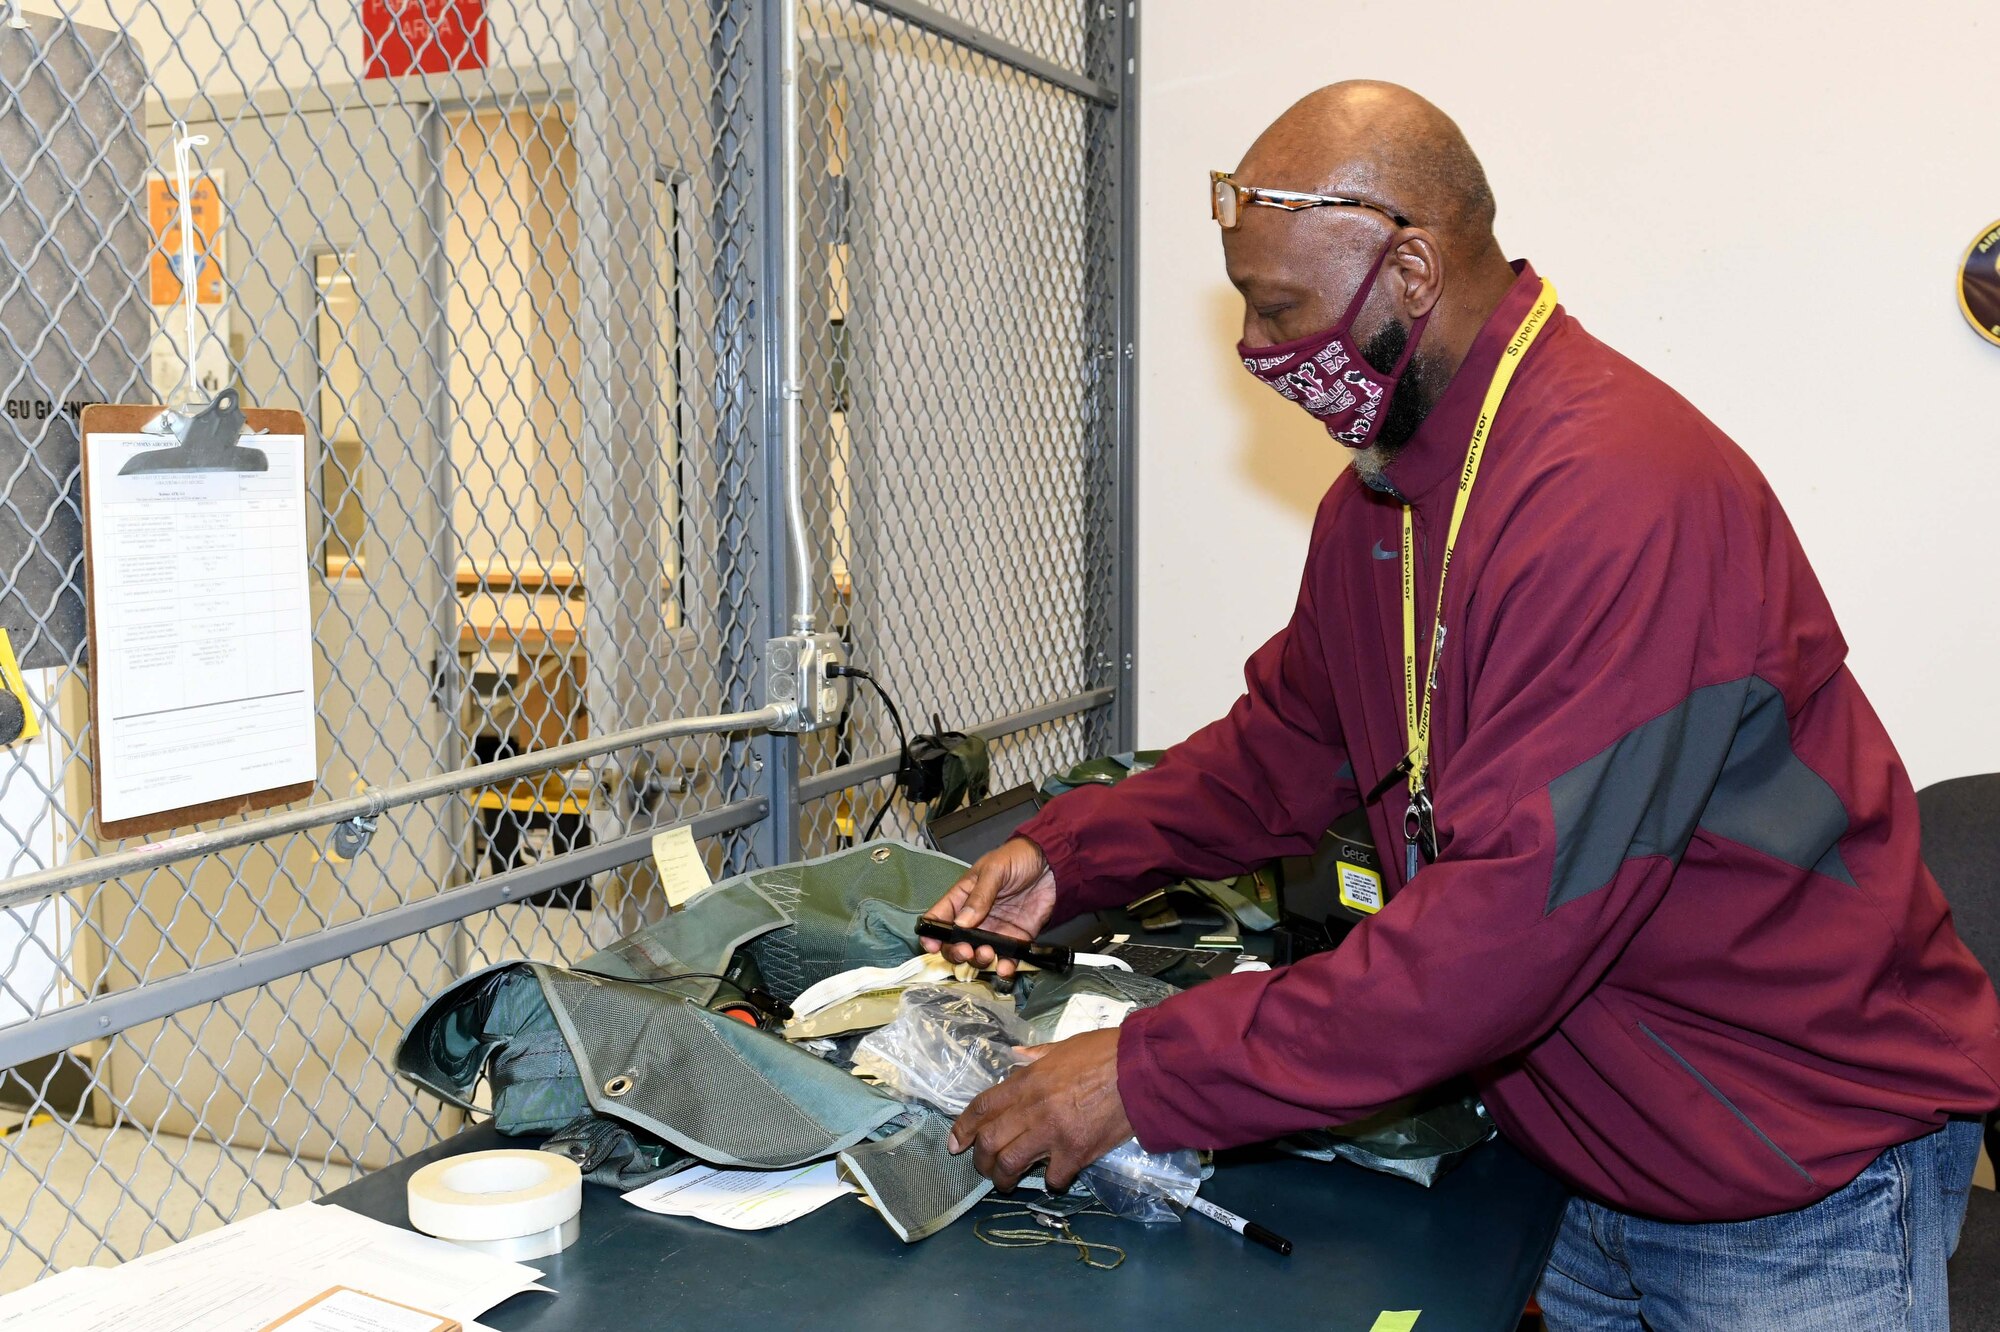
{"points": [[1979, 284]]}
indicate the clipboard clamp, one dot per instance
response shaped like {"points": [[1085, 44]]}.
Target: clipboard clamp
{"points": [[208, 441]]}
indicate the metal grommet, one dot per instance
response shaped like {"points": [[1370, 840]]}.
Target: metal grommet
{"points": [[619, 1085], [880, 854]]}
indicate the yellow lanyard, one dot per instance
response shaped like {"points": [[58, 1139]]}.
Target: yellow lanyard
{"points": [[1417, 714]]}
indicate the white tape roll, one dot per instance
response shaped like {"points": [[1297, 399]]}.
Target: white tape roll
{"points": [[486, 1196]]}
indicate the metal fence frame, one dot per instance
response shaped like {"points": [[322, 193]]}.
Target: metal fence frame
{"points": [[764, 781]]}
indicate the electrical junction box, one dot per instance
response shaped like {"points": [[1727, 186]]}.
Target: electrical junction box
{"points": [[796, 679]]}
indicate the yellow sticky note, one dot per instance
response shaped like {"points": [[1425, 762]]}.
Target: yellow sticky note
{"points": [[10, 675], [683, 873], [1396, 1320]]}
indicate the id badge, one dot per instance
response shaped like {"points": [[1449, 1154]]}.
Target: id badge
{"points": [[1419, 832]]}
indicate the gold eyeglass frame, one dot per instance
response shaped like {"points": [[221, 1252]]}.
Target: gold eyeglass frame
{"points": [[1228, 215]]}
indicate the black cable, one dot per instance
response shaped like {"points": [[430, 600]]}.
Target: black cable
{"points": [[896, 778], [875, 824], [755, 998], [735, 985]]}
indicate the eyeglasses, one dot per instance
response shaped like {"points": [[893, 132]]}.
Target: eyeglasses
{"points": [[1227, 200]]}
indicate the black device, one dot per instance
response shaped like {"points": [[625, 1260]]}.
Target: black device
{"points": [[969, 833], [1323, 896], [1176, 966], [1049, 957]]}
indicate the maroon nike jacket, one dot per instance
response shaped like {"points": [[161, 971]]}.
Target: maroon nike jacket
{"points": [[1677, 930]]}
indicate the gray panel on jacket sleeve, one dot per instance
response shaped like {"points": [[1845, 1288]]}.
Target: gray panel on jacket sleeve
{"points": [[1642, 795], [1770, 801]]}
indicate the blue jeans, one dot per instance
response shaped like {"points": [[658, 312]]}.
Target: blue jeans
{"points": [[1869, 1258]]}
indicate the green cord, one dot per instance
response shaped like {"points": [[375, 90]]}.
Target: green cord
{"points": [[1048, 1230]]}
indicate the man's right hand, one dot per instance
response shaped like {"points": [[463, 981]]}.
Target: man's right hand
{"points": [[1009, 890]]}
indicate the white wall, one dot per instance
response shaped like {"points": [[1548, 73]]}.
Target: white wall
{"points": [[1763, 204]]}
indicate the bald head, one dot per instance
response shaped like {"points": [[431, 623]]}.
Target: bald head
{"points": [[1430, 224], [1383, 143]]}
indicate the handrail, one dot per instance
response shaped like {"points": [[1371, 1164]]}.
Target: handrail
{"points": [[375, 800]]}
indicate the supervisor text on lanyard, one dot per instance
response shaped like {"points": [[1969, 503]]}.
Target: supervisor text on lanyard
{"points": [[1419, 824]]}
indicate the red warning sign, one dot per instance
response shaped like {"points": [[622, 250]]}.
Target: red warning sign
{"points": [[404, 37]]}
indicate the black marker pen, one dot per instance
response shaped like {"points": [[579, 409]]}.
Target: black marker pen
{"points": [[1249, 1230]]}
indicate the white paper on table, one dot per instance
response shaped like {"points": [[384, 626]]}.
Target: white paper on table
{"points": [[743, 1199], [247, 1275], [201, 628]]}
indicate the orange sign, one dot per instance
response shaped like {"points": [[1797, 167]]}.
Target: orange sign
{"points": [[168, 264]]}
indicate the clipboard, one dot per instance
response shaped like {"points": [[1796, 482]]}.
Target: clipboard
{"points": [[343, 1307], [212, 443]]}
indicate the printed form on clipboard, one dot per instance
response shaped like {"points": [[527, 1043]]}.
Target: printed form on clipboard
{"points": [[201, 627]]}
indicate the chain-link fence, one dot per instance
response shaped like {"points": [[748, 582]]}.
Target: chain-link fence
{"points": [[516, 262], [962, 356]]}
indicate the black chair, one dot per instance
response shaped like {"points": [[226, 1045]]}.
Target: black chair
{"points": [[1961, 835]]}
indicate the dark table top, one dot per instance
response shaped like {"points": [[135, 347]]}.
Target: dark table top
{"points": [[1466, 1252]]}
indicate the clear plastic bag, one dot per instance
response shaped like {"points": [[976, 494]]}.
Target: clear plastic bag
{"points": [[1144, 1186], [943, 1048], [1420, 1140]]}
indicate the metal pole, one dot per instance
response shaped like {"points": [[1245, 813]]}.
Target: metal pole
{"points": [[1126, 431], [777, 485], [99, 869], [448, 683], [790, 388], [120, 1010]]}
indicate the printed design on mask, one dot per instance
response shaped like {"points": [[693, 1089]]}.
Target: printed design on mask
{"points": [[1363, 425], [1316, 384]]}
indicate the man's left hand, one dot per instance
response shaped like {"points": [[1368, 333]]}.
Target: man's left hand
{"points": [[1062, 1108]]}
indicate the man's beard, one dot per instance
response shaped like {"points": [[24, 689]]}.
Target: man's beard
{"points": [[1412, 401]]}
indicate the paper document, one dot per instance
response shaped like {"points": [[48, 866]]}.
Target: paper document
{"points": [[743, 1199], [343, 1310], [202, 628], [248, 1275], [683, 873]]}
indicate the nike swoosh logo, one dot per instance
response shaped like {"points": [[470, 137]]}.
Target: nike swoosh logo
{"points": [[1382, 554]]}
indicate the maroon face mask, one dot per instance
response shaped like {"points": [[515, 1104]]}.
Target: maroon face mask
{"points": [[1326, 374]]}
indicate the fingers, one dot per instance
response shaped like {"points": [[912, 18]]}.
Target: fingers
{"points": [[984, 1107], [968, 905], [986, 880], [1005, 1144], [1007, 1140], [1006, 1164], [1004, 1132], [947, 908]]}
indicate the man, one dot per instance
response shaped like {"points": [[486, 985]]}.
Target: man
{"points": [[1653, 862]]}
